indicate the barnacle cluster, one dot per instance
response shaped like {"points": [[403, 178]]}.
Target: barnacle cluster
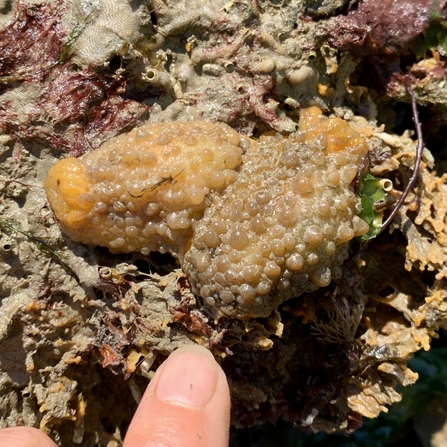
{"points": [[142, 191], [250, 230]]}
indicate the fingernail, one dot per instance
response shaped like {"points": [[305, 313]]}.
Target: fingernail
{"points": [[188, 377]]}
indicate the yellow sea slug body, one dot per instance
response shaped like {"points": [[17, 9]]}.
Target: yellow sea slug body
{"points": [[65, 192], [283, 226], [250, 230], [142, 191]]}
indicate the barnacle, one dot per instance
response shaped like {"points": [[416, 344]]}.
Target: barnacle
{"points": [[142, 191], [248, 236]]}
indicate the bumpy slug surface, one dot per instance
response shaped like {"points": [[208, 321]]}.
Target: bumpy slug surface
{"points": [[142, 191], [248, 239], [283, 226]]}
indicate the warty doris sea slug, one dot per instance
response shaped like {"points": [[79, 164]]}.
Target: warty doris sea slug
{"points": [[142, 191], [283, 226], [252, 224]]}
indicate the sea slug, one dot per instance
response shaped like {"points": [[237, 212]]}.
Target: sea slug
{"points": [[283, 226], [142, 191], [252, 223]]}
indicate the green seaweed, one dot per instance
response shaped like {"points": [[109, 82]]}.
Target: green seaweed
{"points": [[435, 36], [74, 35], [371, 193], [71, 40]]}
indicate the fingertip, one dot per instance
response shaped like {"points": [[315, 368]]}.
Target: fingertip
{"points": [[24, 437], [187, 403], [189, 377]]}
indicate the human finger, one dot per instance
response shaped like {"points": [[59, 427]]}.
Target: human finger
{"points": [[24, 437], [186, 404]]}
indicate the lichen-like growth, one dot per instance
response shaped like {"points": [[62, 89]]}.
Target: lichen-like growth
{"points": [[278, 227], [142, 191]]}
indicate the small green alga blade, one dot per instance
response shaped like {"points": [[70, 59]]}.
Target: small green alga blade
{"points": [[371, 193]]}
